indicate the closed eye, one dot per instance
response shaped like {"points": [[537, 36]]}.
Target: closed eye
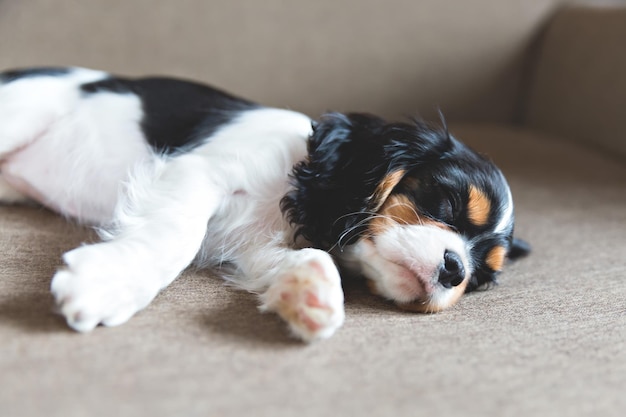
{"points": [[450, 209], [447, 211], [438, 202], [442, 210]]}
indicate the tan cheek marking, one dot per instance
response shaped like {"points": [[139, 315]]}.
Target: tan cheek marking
{"points": [[385, 188], [478, 207], [495, 258], [399, 209]]}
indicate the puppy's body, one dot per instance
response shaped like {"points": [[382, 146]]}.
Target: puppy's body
{"points": [[172, 172]]}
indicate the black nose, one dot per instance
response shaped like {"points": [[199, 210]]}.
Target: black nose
{"points": [[452, 271]]}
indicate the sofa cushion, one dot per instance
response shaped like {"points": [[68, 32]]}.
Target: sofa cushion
{"points": [[390, 58], [579, 87], [549, 340]]}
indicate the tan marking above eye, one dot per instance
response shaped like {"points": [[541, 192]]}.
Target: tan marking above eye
{"points": [[478, 207], [495, 258], [385, 187]]}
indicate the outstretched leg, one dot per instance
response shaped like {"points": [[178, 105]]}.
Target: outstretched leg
{"points": [[156, 234], [302, 286]]}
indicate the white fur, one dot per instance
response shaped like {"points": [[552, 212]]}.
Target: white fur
{"points": [[85, 157], [506, 218], [404, 263], [52, 137]]}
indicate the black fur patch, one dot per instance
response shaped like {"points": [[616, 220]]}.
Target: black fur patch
{"points": [[16, 74], [178, 115]]}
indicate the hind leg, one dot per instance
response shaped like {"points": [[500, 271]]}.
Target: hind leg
{"points": [[22, 121], [31, 103], [33, 100], [27, 108], [24, 117]]}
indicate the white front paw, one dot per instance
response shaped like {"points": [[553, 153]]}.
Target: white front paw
{"points": [[95, 289], [309, 298]]}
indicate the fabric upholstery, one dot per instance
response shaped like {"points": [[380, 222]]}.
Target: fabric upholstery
{"points": [[579, 88], [395, 58]]}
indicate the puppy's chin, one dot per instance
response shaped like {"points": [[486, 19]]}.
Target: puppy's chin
{"points": [[442, 299], [438, 299], [403, 265]]}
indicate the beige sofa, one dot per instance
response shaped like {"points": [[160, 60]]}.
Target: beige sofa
{"points": [[539, 85]]}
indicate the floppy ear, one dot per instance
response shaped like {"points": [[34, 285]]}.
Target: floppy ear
{"points": [[337, 180], [519, 249], [353, 163]]}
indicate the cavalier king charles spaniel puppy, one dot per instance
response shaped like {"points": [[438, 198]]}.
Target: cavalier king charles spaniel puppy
{"points": [[174, 173]]}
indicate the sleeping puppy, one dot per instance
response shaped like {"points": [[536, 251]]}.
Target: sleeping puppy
{"points": [[174, 173]]}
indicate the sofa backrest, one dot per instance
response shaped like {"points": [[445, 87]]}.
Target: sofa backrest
{"points": [[392, 57], [579, 83]]}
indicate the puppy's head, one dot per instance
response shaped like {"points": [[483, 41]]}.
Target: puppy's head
{"points": [[421, 215]]}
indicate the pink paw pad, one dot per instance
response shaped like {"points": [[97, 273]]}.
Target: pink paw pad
{"points": [[310, 299]]}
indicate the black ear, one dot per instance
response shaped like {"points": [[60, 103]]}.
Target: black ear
{"points": [[326, 146], [354, 160], [333, 186], [519, 249]]}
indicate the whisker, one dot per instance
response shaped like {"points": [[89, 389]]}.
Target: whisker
{"points": [[360, 224], [354, 213], [350, 230], [412, 208], [356, 226], [369, 217]]}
